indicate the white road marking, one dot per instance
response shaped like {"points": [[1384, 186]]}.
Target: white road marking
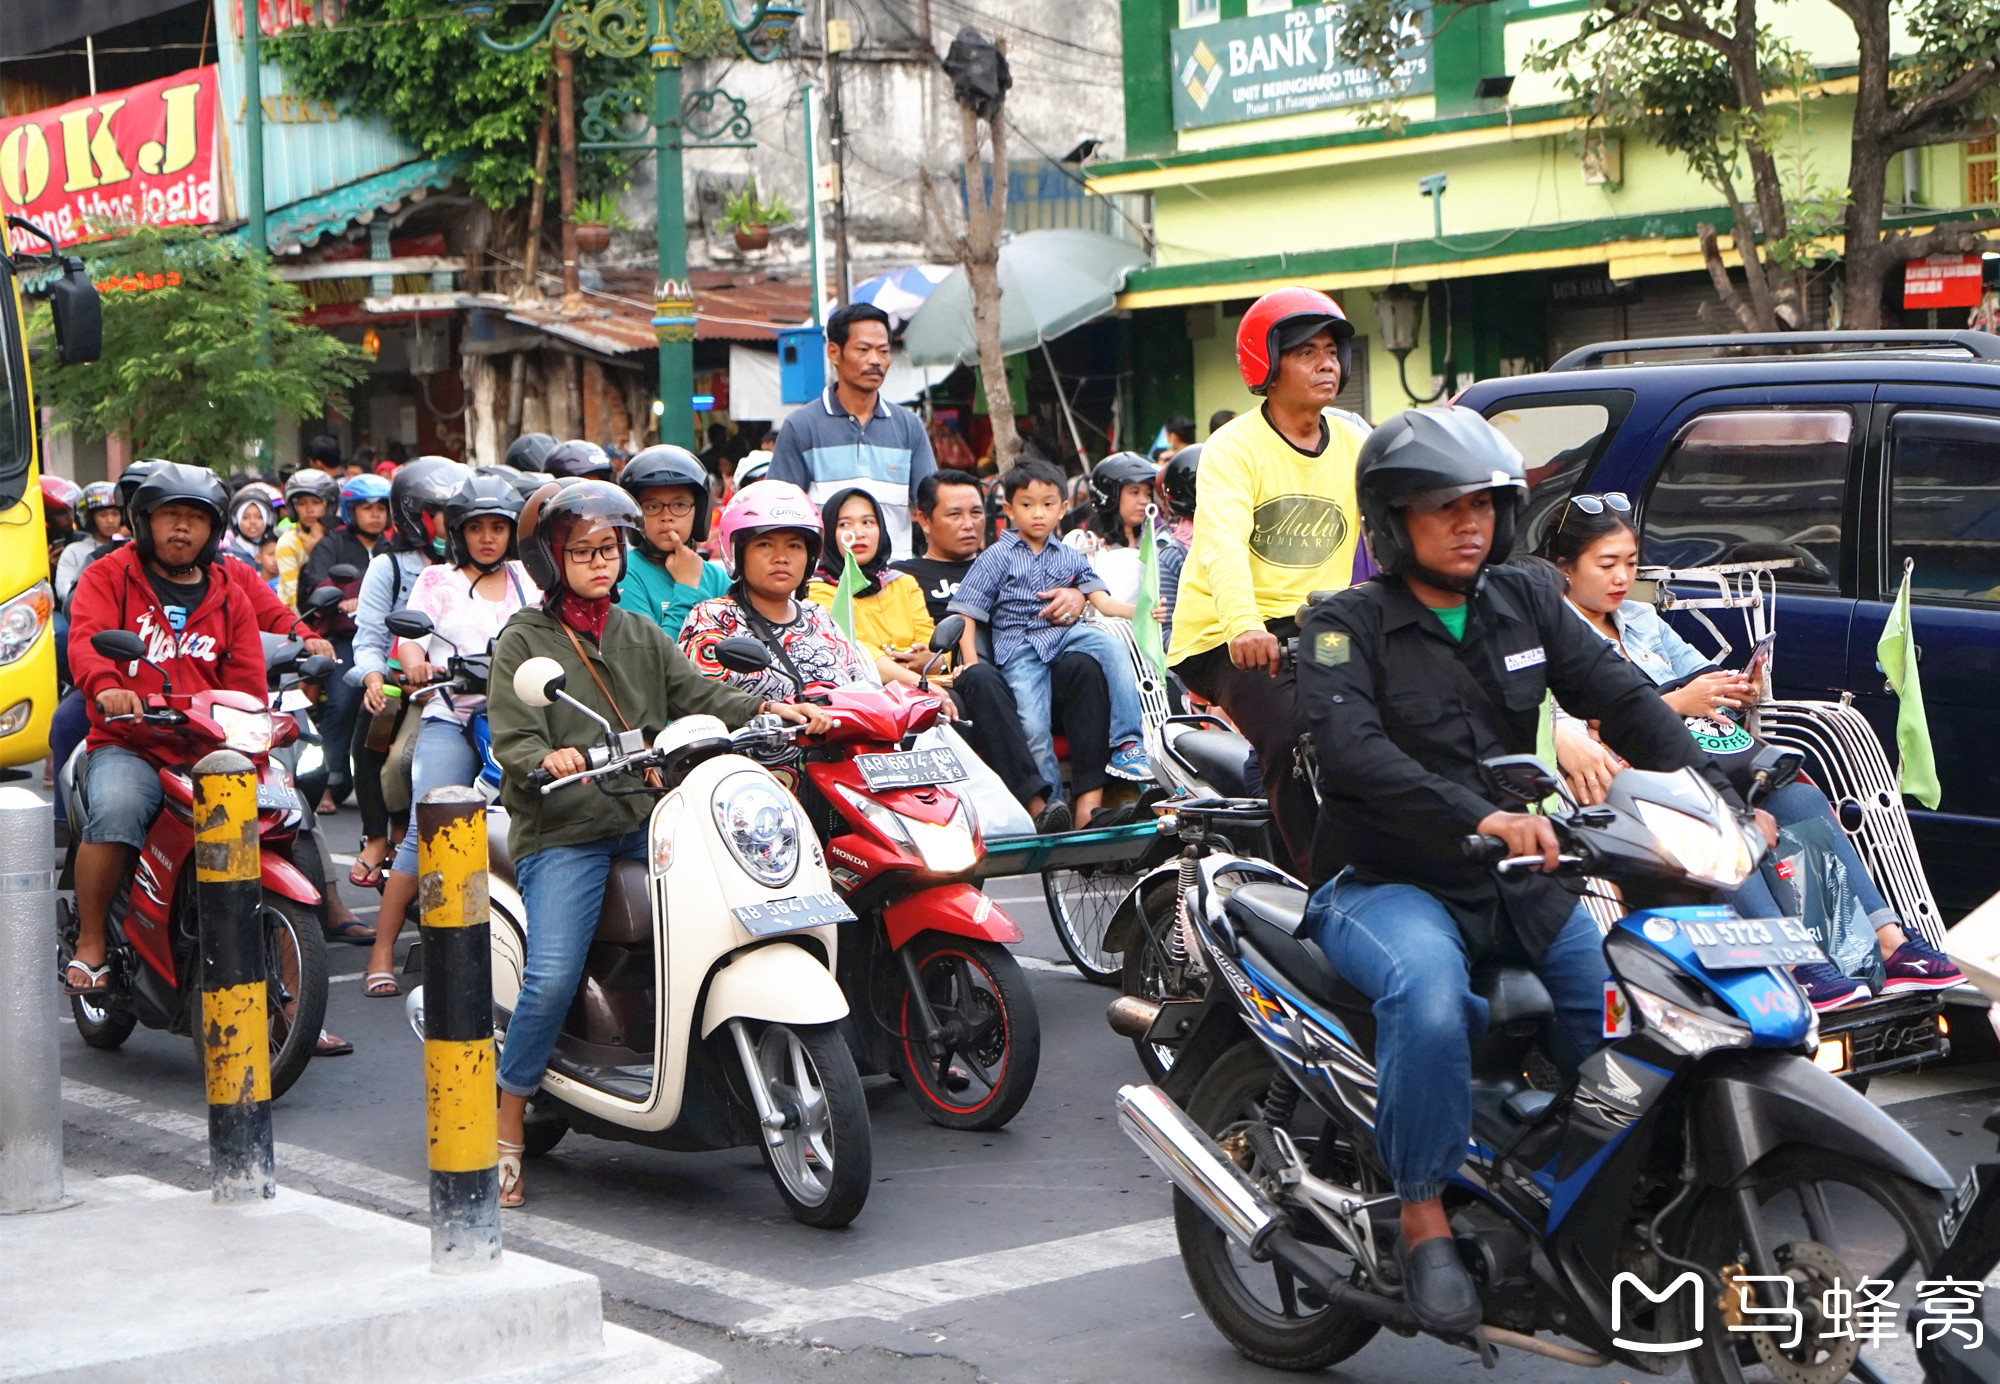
{"points": [[1898, 1087], [1036, 963]]}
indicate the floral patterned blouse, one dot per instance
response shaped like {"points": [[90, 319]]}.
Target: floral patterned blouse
{"points": [[815, 645]]}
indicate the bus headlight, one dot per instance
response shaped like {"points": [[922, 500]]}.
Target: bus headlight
{"points": [[23, 619]]}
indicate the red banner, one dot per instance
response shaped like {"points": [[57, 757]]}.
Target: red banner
{"points": [[1943, 281], [144, 155]]}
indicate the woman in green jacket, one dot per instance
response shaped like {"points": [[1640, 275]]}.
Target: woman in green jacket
{"points": [[574, 541]]}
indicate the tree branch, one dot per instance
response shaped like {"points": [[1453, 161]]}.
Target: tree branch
{"points": [[1960, 236], [1957, 91], [1718, 273]]}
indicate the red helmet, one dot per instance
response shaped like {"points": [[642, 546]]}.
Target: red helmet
{"points": [[1281, 320]]}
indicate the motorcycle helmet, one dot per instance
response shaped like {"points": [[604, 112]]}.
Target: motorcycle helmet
{"points": [[361, 490], [59, 493], [1177, 481], [249, 497], [1280, 321], [1109, 478], [666, 464], [481, 495], [551, 512], [128, 482], [169, 483], [416, 504], [529, 451], [584, 460], [766, 507], [314, 482], [1424, 458], [753, 469], [97, 497]]}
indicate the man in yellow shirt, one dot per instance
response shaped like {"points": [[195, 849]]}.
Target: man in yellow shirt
{"points": [[1277, 522]]}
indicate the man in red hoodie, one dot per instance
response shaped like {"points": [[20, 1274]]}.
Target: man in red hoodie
{"points": [[200, 626]]}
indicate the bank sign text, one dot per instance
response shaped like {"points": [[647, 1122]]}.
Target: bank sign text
{"points": [[1281, 64]]}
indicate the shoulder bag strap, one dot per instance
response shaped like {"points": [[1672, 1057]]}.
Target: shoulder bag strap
{"points": [[769, 638], [653, 779]]}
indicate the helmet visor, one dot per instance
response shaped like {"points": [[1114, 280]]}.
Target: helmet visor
{"points": [[1424, 501]]}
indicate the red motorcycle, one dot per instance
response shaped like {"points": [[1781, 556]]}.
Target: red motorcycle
{"points": [[153, 929], [936, 997]]}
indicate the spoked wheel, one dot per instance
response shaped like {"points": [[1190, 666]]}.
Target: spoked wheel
{"points": [[1828, 1222], [295, 1001], [822, 1159], [1148, 972], [1269, 1316], [980, 1073], [1081, 904]]}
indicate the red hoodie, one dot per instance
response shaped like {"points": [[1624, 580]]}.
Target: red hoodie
{"points": [[218, 647]]}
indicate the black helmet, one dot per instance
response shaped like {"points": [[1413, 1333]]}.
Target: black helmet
{"points": [[545, 521], [129, 480], [1110, 476], [169, 483], [481, 495], [528, 451], [310, 480], [666, 464], [1177, 481], [1428, 457], [583, 459], [417, 494]]}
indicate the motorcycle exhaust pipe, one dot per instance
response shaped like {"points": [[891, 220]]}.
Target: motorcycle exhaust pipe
{"points": [[1131, 1017], [1195, 1163]]}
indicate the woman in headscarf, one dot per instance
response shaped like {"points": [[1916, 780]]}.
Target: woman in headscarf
{"points": [[892, 624]]}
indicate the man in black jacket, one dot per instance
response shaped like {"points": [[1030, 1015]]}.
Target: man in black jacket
{"points": [[1408, 682]]}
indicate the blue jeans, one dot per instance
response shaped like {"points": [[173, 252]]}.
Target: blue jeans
{"points": [[67, 728], [1799, 801], [1399, 946], [1028, 678], [336, 722], [444, 759], [563, 888]]}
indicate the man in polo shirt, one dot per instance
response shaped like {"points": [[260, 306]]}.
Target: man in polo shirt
{"points": [[853, 436]]}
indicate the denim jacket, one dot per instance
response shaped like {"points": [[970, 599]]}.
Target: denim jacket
{"points": [[1650, 644], [381, 596]]}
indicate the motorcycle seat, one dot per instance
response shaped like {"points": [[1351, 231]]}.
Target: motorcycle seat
{"points": [[1513, 995], [1221, 758], [626, 919], [1270, 917]]}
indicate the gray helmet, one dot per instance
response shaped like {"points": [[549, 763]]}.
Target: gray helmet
{"points": [[1424, 458], [169, 483], [528, 451], [310, 480]]}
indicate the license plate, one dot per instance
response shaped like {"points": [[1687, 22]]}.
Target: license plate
{"points": [[793, 914], [279, 797], [909, 769], [1742, 944]]}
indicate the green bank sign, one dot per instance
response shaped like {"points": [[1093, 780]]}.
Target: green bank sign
{"points": [[1281, 64]]}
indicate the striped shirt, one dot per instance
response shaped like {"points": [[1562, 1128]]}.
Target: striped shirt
{"points": [[824, 449], [1000, 591]]}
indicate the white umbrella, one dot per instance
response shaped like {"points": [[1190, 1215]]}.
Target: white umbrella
{"points": [[1050, 281]]}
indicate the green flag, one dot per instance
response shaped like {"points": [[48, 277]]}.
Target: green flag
{"points": [[843, 595], [1896, 651], [1145, 629]]}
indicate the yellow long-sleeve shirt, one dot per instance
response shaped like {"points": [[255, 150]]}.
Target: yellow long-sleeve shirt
{"points": [[292, 552], [894, 615], [1272, 526]]}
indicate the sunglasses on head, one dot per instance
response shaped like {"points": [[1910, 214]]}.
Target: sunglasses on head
{"points": [[1613, 500]]}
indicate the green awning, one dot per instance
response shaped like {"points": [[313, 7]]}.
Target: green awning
{"points": [[314, 218]]}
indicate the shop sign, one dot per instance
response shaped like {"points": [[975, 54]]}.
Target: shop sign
{"points": [[1284, 63], [143, 155], [1943, 281]]}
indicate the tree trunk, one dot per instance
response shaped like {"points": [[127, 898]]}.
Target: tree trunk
{"points": [[566, 166], [1867, 170], [986, 215], [526, 290]]}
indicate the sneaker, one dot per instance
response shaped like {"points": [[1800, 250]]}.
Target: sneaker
{"points": [[1919, 966], [1053, 818], [1129, 763], [1826, 988]]}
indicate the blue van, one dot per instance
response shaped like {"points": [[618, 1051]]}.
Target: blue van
{"points": [[1852, 452]]}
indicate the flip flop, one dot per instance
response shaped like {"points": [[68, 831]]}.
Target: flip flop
{"points": [[330, 1045], [373, 986], [353, 931], [326, 808], [95, 976], [362, 875], [512, 1193]]}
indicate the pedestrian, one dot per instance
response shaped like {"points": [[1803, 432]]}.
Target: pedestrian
{"points": [[1218, 418], [1180, 433]]}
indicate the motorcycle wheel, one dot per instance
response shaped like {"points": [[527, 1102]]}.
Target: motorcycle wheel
{"points": [[824, 1160], [1145, 971], [295, 1002], [1081, 904], [994, 1043], [1877, 1226], [540, 1136], [1259, 1308], [105, 1022]]}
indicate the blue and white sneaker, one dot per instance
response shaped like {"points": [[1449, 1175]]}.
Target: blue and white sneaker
{"points": [[1826, 988], [1129, 762], [1917, 965]]}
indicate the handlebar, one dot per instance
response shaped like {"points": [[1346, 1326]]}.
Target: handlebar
{"points": [[167, 717], [1492, 850], [602, 762]]}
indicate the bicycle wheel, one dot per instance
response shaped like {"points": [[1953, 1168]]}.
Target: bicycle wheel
{"points": [[1081, 903]]}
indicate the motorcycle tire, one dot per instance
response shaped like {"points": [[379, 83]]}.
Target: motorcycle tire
{"points": [[1292, 1336], [104, 1026], [291, 932], [1081, 904], [982, 1080], [539, 1137], [1143, 971], [824, 1161]]}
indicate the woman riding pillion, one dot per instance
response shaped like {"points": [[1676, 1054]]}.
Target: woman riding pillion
{"points": [[573, 542], [468, 600]]}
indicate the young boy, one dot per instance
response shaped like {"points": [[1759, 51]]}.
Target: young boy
{"points": [[666, 577], [1020, 588]]}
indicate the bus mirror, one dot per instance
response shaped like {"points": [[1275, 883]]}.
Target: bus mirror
{"points": [[78, 314]]}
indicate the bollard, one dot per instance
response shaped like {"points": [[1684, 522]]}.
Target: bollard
{"points": [[235, 1022], [30, 1064], [459, 1070]]}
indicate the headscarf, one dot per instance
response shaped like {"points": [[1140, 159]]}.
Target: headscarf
{"points": [[833, 556], [583, 614]]}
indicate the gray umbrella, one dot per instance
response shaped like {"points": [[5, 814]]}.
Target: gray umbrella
{"points": [[1050, 281]]}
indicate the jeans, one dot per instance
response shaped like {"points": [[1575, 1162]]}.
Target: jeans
{"points": [[1028, 678], [1399, 946], [1799, 801], [1266, 710], [336, 722], [444, 759], [121, 796], [563, 888], [67, 728]]}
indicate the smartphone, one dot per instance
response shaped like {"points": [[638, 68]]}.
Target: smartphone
{"points": [[1760, 661]]}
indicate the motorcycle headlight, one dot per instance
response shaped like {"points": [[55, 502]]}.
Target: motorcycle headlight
{"points": [[23, 619], [1694, 1034], [755, 817], [311, 759], [945, 850], [1715, 855], [248, 732]]}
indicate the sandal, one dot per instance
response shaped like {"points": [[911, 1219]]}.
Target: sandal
{"points": [[95, 978], [353, 931], [512, 1193], [331, 1045], [380, 985], [362, 875]]}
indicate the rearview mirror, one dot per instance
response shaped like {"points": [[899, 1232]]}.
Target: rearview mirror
{"points": [[410, 624], [341, 573], [742, 654], [537, 681], [78, 314], [325, 596], [318, 668], [949, 631], [1521, 777], [121, 646]]}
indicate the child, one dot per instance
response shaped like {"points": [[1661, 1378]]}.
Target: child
{"points": [[1007, 589], [667, 576], [267, 557]]}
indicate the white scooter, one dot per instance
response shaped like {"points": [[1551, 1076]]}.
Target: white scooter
{"points": [[708, 1013]]}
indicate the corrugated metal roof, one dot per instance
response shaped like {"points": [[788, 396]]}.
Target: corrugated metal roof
{"points": [[618, 318]]}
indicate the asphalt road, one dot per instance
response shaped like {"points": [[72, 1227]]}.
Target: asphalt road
{"points": [[1040, 1252]]}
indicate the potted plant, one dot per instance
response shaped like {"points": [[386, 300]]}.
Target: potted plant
{"points": [[596, 218], [751, 219]]}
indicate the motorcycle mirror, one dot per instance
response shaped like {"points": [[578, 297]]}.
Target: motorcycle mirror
{"points": [[342, 573], [324, 597], [742, 654], [949, 631], [282, 656], [1773, 768], [410, 624], [318, 668], [122, 646], [1851, 816], [538, 680], [1521, 777]]}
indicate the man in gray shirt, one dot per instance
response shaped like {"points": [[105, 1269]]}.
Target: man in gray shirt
{"points": [[852, 435]]}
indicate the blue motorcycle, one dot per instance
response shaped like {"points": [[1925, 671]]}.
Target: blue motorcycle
{"points": [[1698, 1189]]}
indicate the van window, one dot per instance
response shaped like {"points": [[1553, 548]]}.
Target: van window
{"points": [[1753, 486], [1944, 505], [1557, 441]]}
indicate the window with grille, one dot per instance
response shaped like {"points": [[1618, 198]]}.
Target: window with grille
{"points": [[1981, 187]]}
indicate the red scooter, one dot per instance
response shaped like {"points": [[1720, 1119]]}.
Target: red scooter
{"points": [[935, 995], [153, 929]]}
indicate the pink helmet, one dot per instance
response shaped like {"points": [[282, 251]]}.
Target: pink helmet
{"points": [[763, 507]]}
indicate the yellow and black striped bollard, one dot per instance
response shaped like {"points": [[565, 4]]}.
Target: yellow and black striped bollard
{"points": [[234, 998], [460, 1092]]}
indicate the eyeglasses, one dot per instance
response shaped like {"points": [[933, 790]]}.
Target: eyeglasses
{"points": [[653, 509], [606, 553], [1613, 500]]}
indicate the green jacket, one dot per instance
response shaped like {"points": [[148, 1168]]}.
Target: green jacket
{"points": [[652, 682]]}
